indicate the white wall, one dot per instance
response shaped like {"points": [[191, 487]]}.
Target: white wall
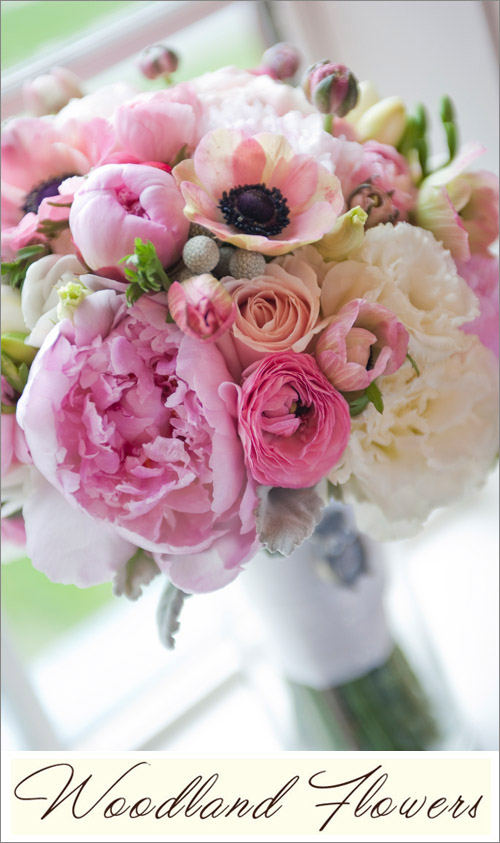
{"points": [[416, 49]]}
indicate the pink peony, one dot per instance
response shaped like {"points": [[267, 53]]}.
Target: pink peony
{"points": [[362, 342], [256, 193], [122, 415], [277, 311], [120, 202], [201, 307], [293, 424], [481, 274], [158, 127], [387, 171]]}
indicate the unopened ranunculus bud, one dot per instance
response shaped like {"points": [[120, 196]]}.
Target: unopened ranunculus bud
{"points": [[331, 87], [157, 60], [377, 204], [282, 60], [48, 93]]}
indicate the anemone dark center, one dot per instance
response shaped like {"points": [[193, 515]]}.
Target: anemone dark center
{"points": [[255, 209], [42, 191]]}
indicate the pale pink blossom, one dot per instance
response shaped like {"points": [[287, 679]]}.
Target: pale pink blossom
{"points": [[121, 202], [363, 341], [481, 274], [293, 424], [49, 92], [201, 307], [159, 126], [136, 436], [256, 193]]}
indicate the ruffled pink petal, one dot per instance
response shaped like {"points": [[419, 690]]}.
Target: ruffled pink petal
{"points": [[88, 551]]}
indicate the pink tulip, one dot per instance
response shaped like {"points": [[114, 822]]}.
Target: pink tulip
{"points": [[201, 307], [362, 342]]}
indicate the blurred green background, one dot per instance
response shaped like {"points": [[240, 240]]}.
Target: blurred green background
{"points": [[38, 611], [29, 25]]}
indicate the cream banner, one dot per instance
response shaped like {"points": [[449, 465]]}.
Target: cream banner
{"points": [[314, 797]]}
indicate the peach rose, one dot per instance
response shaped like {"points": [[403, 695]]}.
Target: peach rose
{"points": [[278, 311]]}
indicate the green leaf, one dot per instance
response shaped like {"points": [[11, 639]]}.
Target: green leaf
{"points": [[375, 396], [422, 150], [358, 405], [144, 271], [8, 409], [446, 110], [181, 155], [421, 119], [14, 272], [451, 139], [15, 376], [52, 228], [410, 358]]}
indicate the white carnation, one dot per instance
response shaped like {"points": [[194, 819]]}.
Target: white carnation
{"points": [[405, 269], [39, 296], [436, 439]]}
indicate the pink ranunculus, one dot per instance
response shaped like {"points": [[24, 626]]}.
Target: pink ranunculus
{"points": [[123, 417], [277, 311], [256, 193], [120, 202], [201, 307], [481, 274], [156, 127], [293, 424], [386, 170], [362, 342]]}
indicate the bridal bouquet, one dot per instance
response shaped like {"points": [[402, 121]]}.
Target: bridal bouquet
{"points": [[227, 300]]}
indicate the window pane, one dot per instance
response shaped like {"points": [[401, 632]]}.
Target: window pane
{"points": [[30, 28]]}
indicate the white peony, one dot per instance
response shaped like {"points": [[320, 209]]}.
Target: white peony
{"points": [[436, 439], [405, 269], [39, 296]]}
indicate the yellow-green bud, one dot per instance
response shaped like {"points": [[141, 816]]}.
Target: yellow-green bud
{"points": [[13, 344], [384, 122], [346, 235]]}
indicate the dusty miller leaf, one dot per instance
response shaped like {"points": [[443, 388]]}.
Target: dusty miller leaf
{"points": [[168, 612], [287, 517]]}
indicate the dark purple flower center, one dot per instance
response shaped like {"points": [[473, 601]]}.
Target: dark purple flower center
{"points": [[255, 209], [42, 191]]}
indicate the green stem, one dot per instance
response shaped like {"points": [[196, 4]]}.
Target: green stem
{"points": [[328, 123]]}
